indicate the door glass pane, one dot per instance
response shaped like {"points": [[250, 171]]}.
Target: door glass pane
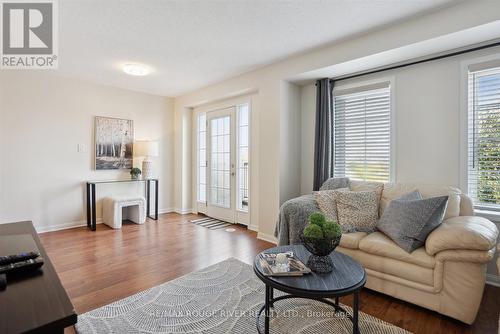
{"points": [[220, 185], [243, 158]]}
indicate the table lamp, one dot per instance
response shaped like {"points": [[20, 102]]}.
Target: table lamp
{"points": [[146, 149]]}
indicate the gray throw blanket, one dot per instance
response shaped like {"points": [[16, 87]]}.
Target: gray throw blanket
{"points": [[294, 213], [293, 217]]}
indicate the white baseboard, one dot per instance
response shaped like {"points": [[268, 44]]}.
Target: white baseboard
{"points": [[267, 237], [65, 226], [167, 210], [492, 279], [183, 211], [253, 228]]}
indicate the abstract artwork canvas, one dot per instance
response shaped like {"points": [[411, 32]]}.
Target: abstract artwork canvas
{"points": [[114, 141]]}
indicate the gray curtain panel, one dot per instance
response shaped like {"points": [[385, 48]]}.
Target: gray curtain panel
{"points": [[323, 141]]}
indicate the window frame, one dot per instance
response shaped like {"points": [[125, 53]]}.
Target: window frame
{"points": [[197, 160], [464, 129], [360, 86], [238, 166]]}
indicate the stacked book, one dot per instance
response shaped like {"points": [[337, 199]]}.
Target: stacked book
{"points": [[273, 267]]}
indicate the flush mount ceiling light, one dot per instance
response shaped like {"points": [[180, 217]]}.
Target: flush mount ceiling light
{"points": [[136, 69]]}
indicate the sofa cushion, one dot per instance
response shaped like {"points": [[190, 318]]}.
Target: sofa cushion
{"points": [[357, 210], [395, 190], [335, 183], [379, 244], [409, 219], [326, 202], [404, 270], [351, 240]]}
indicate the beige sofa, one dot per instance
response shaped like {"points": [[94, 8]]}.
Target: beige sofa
{"points": [[448, 274]]}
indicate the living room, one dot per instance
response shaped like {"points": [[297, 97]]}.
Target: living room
{"points": [[158, 152]]}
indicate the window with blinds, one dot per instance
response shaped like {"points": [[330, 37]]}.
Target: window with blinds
{"points": [[484, 137], [362, 133]]}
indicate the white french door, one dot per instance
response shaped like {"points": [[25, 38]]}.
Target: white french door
{"points": [[223, 164]]}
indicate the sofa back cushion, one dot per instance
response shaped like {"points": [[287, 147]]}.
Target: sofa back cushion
{"points": [[378, 187], [335, 183], [395, 190]]}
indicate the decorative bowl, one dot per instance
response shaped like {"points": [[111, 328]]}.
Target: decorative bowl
{"points": [[320, 250]]}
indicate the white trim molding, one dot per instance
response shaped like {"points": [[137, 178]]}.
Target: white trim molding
{"points": [[267, 237], [252, 227], [494, 216], [183, 211], [464, 113], [64, 226], [492, 279], [166, 210]]}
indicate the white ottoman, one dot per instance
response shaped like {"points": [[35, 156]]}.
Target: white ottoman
{"points": [[117, 208]]}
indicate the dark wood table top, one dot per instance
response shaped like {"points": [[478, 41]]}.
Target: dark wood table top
{"points": [[36, 303], [346, 277]]}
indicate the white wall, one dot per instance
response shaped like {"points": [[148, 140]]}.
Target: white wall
{"points": [[308, 121], [290, 141], [43, 118], [267, 81]]}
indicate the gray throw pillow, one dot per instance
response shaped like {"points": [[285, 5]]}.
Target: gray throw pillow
{"points": [[335, 183], [409, 219]]}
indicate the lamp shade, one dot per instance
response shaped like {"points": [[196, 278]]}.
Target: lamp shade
{"points": [[146, 148]]}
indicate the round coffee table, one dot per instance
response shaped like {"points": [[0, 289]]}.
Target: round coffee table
{"points": [[347, 277]]}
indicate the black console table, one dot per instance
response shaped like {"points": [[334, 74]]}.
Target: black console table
{"points": [[34, 302], [91, 196]]}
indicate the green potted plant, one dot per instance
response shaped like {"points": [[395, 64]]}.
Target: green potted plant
{"points": [[135, 173], [321, 237]]}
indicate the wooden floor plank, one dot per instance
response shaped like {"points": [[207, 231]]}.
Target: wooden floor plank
{"points": [[97, 268]]}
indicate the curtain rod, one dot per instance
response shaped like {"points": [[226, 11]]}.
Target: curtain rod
{"points": [[415, 62]]}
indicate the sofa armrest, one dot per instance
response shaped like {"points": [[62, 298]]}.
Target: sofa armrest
{"points": [[462, 233], [292, 219], [474, 256]]}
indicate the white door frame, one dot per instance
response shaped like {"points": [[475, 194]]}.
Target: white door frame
{"points": [[240, 217]]}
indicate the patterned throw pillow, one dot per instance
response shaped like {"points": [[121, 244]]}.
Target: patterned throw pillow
{"points": [[357, 210], [335, 183], [378, 187], [326, 202], [409, 219]]}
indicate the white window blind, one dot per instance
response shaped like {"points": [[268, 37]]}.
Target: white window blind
{"points": [[362, 134], [484, 137]]}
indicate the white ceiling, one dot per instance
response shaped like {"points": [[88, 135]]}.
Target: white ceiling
{"points": [[190, 44]]}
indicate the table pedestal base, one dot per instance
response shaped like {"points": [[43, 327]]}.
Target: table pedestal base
{"points": [[270, 300]]}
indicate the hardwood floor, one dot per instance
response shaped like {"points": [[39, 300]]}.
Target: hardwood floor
{"points": [[97, 268]]}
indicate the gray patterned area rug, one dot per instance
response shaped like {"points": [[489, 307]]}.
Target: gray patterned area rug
{"points": [[223, 298]]}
